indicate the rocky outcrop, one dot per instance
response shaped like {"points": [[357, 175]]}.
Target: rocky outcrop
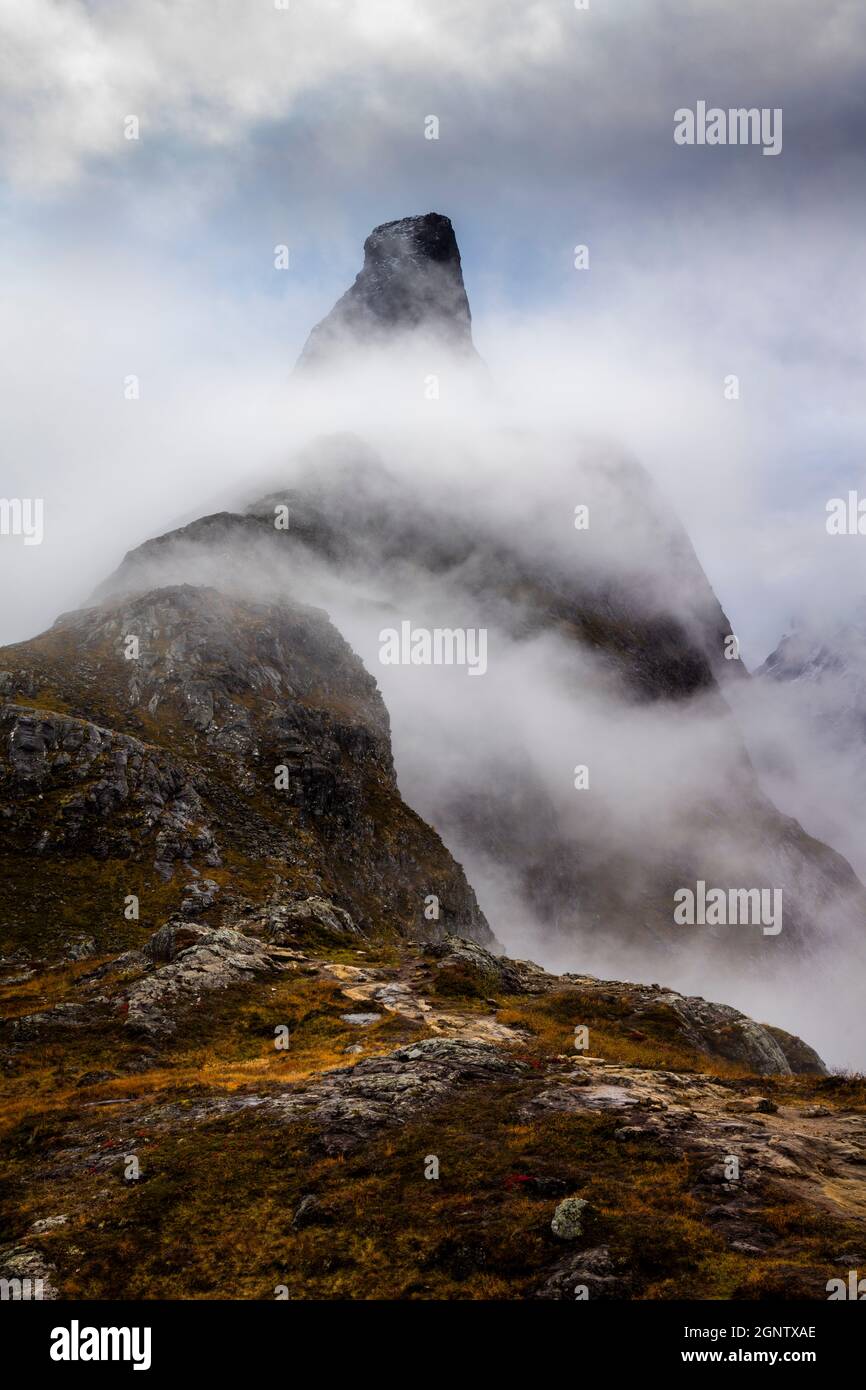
{"points": [[719, 1029], [465, 967], [411, 283], [588, 1274], [801, 1058], [26, 1276], [313, 919], [716, 1030], [348, 1106], [192, 960], [200, 732], [57, 1023], [68, 785]]}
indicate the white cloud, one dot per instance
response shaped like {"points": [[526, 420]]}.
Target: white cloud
{"points": [[206, 73]]}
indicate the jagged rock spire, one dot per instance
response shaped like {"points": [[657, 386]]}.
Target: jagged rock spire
{"points": [[411, 283]]}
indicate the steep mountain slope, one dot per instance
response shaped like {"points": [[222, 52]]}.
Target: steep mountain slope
{"points": [[241, 755], [827, 664]]}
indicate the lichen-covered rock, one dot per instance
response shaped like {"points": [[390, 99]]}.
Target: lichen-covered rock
{"points": [[26, 1275], [49, 1024], [715, 1030], [199, 896], [720, 1029], [314, 919], [68, 785], [570, 1217], [198, 960], [589, 1274], [309, 1211], [80, 948], [465, 967], [802, 1059], [173, 937], [351, 1104]]}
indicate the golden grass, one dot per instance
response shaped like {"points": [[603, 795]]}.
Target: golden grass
{"points": [[212, 1215]]}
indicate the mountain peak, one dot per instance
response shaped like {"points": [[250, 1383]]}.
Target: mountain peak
{"points": [[411, 282]]}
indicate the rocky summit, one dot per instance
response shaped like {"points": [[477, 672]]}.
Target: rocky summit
{"points": [[411, 284], [259, 1039]]}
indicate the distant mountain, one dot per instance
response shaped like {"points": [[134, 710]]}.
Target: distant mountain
{"points": [[805, 717], [815, 657]]}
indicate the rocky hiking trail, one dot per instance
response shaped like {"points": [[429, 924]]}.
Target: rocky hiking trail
{"points": [[690, 1152]]}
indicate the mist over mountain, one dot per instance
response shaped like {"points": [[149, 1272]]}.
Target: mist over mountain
{"points": [[418, 881], [804, 716], [286, 806], [606, 651]]}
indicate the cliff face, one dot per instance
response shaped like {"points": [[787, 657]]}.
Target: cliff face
{"points": [[239, 745]]}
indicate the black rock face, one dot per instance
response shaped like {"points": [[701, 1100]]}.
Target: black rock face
{"points": [[411, 282]]}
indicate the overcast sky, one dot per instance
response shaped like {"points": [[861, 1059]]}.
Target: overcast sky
{"points": [[305, 126]]}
